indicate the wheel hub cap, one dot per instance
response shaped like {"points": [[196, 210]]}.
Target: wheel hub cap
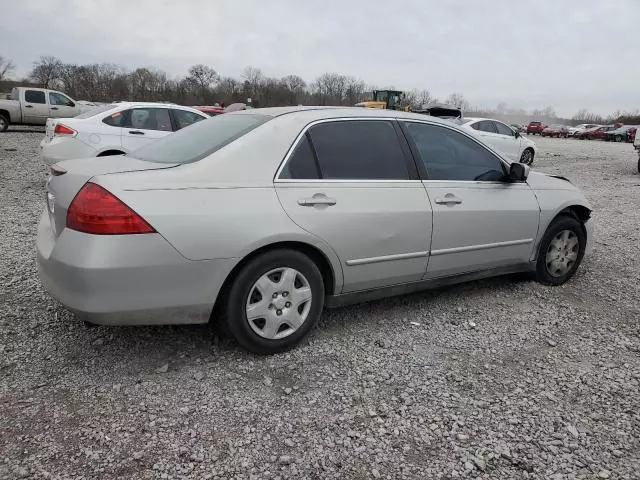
{"points": [[562, 253], [279, 303]]}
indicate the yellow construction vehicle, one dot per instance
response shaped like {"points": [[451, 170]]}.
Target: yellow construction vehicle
{"points": [[385, 99]]}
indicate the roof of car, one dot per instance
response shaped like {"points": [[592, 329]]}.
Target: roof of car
{"points": [[321, 112]]}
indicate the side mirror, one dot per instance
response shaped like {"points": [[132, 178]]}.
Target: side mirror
{"points": [[518, 172], [517, 133]]}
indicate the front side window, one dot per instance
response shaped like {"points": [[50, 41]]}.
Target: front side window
{"points": [[59, 99], [450, 155], [503, 129], [358, 150], [34, 96], [184, 118]]}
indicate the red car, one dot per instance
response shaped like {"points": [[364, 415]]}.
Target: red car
{"points": [[535, 127], [555, 131], [209, 110], [596, 133]]}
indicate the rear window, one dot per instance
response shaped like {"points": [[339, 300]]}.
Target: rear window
{"points": [[96, 111], [200, 139], [535, 123]]}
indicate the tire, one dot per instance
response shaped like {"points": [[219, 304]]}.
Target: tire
{"points": [[639, 163], [270, 334], [561, 251], [4, 123], [618, 138], [527, 156]]}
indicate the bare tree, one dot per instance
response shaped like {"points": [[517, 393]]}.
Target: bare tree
{"points": [[458, 100], [330, 88], [355, 91], [253, 78], [417, 99], [204, 78], [296, 86], [46, 71], [7, 68], [228, 90]]}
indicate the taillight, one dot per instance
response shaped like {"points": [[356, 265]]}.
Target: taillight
{"points": [[63, 130], [96, 210]]}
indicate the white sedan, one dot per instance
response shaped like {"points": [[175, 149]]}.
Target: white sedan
{"points": [[503, 138], [113, 129]]}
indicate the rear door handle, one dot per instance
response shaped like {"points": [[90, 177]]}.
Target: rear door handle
{"points": [[449, 199], [317, 199], [136, 132], [54, 108]]}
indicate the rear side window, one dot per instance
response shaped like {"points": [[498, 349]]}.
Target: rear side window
{"points": [[115, 119], [302, 163], [148, 119], [358, 150], [34, 96], [450, 155], [485, 126], [201, 139]]}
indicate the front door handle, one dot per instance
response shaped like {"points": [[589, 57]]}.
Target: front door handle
{"points": [[317, 199], [54, 108], [136, 132], [449, 199], [28, 106]]}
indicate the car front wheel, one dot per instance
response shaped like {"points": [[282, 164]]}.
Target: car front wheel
{"points": [[527, 157], [561, 251], [274, 301]]}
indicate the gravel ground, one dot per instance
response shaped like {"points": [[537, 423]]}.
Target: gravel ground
{"points": [[494, 379]]}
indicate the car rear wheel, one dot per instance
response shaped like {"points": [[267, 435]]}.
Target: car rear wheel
{"points": [[638, 162], [274, 301], [4, 123], [560, 251], [618, 138], [527, 157]]}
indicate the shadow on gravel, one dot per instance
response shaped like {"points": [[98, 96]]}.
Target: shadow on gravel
{"points": [[134, 350]]}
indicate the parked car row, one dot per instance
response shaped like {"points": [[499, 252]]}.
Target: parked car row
{"points": [[585, 131], [322, 207]]}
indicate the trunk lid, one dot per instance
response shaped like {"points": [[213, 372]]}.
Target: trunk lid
{"points": [[68, 177]]}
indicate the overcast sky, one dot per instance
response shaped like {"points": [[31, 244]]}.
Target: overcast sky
{"points": [[568, 54]]}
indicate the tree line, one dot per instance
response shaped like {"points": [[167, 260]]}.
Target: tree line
{"points": [[203, 85]]}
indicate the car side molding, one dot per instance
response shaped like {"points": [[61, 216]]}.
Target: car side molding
{"points": [[336, 301]]}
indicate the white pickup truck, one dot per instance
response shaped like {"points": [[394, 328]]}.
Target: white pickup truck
{"points": [[32, 106]]}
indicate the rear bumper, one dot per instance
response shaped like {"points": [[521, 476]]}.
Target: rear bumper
{"points": [[58, 149], [127, 279]]}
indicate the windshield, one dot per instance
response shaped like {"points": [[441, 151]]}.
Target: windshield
{"points": [[200, 139], [96, 110]]}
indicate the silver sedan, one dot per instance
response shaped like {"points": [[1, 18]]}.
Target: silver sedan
{"points": [[261, 218]]}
